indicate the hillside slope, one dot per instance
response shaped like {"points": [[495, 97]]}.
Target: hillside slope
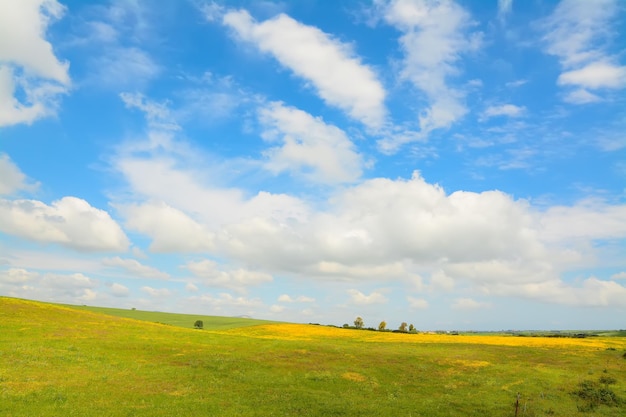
{"points": [[60, 361]]}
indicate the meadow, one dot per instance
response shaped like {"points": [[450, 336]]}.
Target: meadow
{"points": [[77, 361]]}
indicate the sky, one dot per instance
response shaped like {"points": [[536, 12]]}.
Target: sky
{"points": [[456, 165]]}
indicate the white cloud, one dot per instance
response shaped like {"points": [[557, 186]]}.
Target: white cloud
{"points": [[587, 220], [581, 96], [595, 75], [158, 115], [277, 308], [468, 304], [72, 288], [577, 33], [509, 110], [135, 267], [170, 229], [504, 9], [70, 221], [358, 298], [331, 66], [321, 152], [123, 68], [29, 67], [417, 303], [619, 275], [237, 279], [516, 83], [157, 292], [593, 292], [224, 304], [119, 290], [435, 35], [11, 178], [286, 298]]}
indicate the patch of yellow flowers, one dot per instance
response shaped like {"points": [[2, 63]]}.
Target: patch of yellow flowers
{"points": [[313, 332]]}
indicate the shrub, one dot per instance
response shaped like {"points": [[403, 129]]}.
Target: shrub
{"points": [[595, 394], [198, 324]]}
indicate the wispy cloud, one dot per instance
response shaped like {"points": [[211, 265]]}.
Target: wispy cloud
{"points": [[338, 75], [509, 110], [434, 37], [577, 33]]}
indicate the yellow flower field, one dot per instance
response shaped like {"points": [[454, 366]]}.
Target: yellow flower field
{"points": [[312, 332]]}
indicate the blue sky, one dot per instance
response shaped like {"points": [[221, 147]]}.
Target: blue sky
{"points": [[455, 165]]}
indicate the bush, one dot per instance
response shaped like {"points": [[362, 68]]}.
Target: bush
{"points": [[198, 324], [595, 394]]}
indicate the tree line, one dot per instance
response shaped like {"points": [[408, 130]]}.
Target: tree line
{"points": [[382, 327]]}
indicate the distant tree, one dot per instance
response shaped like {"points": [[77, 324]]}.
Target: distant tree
{"points": [[382, 326], [358, 323], [346, 326], [402, 327], [411, 327], [198, 324]]}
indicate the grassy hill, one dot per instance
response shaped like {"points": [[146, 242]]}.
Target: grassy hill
{"points": [[175, 319], [64, 361]]}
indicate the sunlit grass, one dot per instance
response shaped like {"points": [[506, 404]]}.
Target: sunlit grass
{"points": [[58, 361]]}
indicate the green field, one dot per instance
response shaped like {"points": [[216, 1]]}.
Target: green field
{"points": [[67, 361], [175, 319]]}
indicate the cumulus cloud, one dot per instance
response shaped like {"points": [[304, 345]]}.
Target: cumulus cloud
{"points": [[134, 267], [587, 220], [11, 178], [321, 152], [375, 297], [577, 33], [28, 65], [70, 221], [119, 290], [22, 283], [435, 34], [171, 230], [224, 304], [156, 292], [581, 96], [339, 77], [592, 292], [595, 75], [286, 298], [236, 279]]}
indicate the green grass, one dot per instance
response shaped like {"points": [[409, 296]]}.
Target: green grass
{"points": [[61, 361], [175, 319]]}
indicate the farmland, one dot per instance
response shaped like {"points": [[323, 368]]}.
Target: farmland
{"points": [[61, 360]]}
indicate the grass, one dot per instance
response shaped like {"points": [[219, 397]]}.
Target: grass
{"points": [[62, 361], [175, 319]]}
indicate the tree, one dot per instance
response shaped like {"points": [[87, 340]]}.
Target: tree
{"points": [[198, 324], [402, 327], [382, 326], [358, 323], [411, 328]]}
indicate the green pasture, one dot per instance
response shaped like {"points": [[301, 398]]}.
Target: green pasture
{"points": [[175, 319], [62, 361]]}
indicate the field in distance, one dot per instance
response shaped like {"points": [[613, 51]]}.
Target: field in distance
{"points": [[60, 361], [175, 319]]}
